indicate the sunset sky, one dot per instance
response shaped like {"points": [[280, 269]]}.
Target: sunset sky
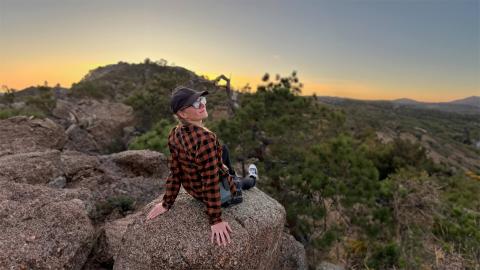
{"points": [[428, 50]]}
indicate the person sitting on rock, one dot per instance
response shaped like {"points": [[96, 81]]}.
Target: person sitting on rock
{"points": [[201, 165]]}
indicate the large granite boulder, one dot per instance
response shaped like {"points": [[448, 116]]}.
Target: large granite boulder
{"points": [[78, 164], [43, 228], [136, 174], [180, 238], [93, 126], [33, 168], [292, 254], [21, 134], [80, 140], [139, 162], [109, 241]]}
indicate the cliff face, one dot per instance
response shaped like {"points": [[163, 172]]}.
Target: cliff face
{"points": [[66, 209]]}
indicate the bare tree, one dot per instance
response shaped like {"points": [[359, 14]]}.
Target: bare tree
{"points": [[231, 96]]}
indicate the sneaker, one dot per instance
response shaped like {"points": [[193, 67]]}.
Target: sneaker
{"points": [[252, 171]]}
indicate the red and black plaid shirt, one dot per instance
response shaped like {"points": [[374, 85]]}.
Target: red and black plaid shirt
{"points": [[195, 162]]}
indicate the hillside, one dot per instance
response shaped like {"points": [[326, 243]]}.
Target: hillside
{"points": [[471, 101], [450, 137]]}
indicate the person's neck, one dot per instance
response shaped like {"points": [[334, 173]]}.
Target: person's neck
{"points": [[196, 123]]}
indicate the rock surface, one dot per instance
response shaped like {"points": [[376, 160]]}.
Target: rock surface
{"points": [[93, 126], [33, 168], [292, 254], [140, 162], [110, 240], [180, 238], [43, 228], [136, 174], [77, 164], [80, 140], [22, 134]]}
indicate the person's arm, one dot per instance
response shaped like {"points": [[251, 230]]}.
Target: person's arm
{"points": [[209, 161], [172, 185]]}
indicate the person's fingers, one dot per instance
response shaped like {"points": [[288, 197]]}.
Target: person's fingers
{"points": [[227, 236], [222, 240], [228, 227], [213, 237], [153, 213], [218, 238], [149, 216]]}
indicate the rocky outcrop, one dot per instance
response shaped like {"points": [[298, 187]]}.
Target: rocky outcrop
{"points": [[180, 238], [292, 254], [79, 139], [135, 174], [139, 162], [43, 228], [23, 134], [32, 168], [93, 126], [77, 164], [110, 240]]}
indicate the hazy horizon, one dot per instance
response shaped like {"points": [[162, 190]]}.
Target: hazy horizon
{"points": [[371, 50]]}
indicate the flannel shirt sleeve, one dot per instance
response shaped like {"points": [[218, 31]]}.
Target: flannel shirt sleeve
{"points": [[209, 162], [172, 185]]}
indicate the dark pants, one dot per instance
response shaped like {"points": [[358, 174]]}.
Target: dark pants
{"points": [[243, 183]]}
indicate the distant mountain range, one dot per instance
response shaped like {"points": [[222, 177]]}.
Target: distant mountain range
{"points": [[470, 101], [470, 105], [473, 100]]}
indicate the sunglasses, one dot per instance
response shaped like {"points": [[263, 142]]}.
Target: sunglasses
{"points": [[199, 101]]}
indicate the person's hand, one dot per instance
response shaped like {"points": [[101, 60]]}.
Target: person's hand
{"points": [[220, 232], [156, 210]]}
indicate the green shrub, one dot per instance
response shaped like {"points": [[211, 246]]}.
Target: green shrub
{"points": [[10, 112], [155, 139], [44, 102], [150, 107], [460, 227], [122, 203], [385, 257], [89, 89]]}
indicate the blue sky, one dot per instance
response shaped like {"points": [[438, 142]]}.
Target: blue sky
{"points": [[382, 49]]}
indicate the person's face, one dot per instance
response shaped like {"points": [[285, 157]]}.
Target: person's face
{"points": [[191, 113]]}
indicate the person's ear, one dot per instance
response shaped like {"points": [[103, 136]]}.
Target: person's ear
{"points": [[181, 114]]}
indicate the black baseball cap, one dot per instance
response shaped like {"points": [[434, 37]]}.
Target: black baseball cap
{"points": [[183, 97]]}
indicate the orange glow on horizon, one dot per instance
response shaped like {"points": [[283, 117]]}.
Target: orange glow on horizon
{"points": [[20, 77]]}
